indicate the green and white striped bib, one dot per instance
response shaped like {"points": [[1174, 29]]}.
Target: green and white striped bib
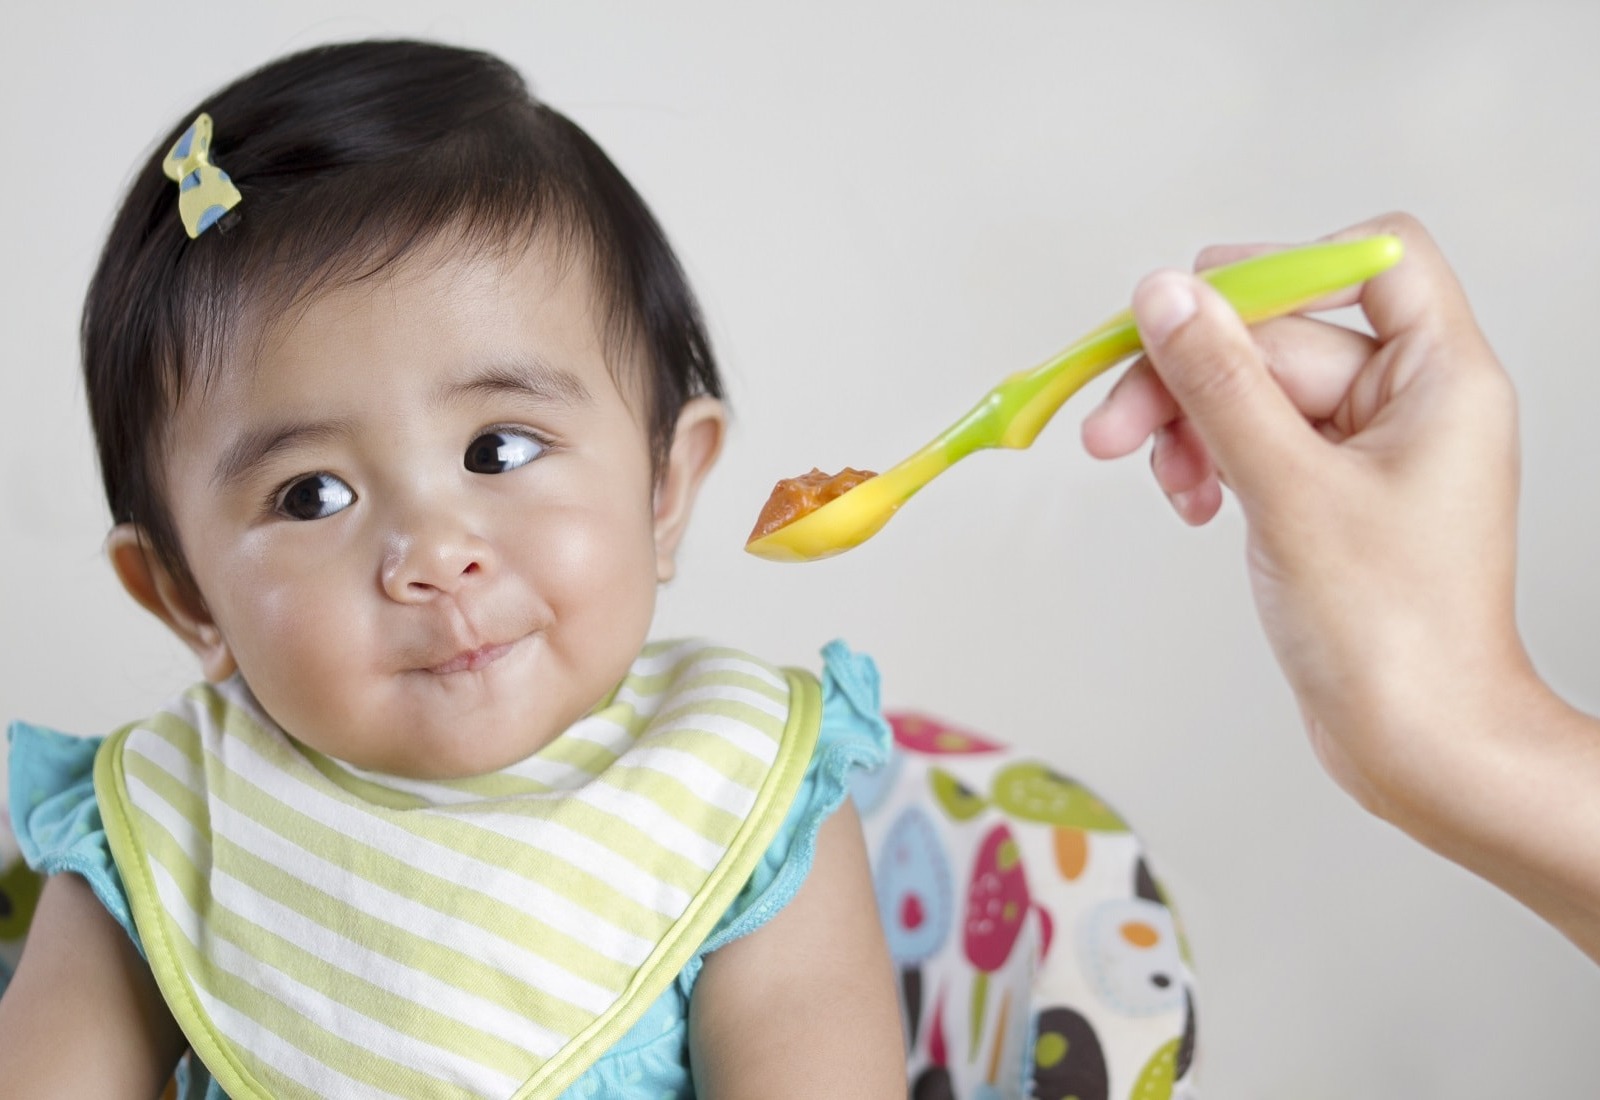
{"points": [[320, 931]]}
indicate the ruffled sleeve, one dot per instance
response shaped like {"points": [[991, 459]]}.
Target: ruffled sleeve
{"points": [[854, 735], [55, 816]]}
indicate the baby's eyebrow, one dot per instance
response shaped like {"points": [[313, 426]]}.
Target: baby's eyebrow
{"points": [[518, 378], [531, 378], [257, 445]]}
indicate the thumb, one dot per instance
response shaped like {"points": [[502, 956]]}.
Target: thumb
{"points": [[1204, 355]]}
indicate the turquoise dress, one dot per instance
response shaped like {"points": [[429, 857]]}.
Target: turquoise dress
{"points": [[59, 829]]}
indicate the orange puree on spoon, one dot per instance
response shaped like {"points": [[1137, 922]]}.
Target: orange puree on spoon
{"points": [[794, 497]]}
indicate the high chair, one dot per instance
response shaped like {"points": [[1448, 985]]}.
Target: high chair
{"points": [[1038, 955]]}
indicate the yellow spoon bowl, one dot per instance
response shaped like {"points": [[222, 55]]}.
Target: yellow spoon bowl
{"points": [[1013, 413]]}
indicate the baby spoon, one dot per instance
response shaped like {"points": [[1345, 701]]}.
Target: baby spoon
{"points": [[1014, 412]]}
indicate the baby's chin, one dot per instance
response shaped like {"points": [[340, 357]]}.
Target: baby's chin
{"points": [[423, 725], [430, 742], [459, 754]]}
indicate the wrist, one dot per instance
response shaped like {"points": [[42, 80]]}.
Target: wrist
{"points": [[1407, 717], [1502, 783], [1449, 753]]}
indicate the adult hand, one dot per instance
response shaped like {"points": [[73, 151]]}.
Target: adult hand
{"points": [[1378, 474]]}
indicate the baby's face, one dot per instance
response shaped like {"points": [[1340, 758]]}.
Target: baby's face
{"points": [[422, 522]]}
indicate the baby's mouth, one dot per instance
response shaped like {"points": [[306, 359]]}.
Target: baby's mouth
{"points": [[471, 660]]}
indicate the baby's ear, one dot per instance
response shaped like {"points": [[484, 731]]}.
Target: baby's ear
{"points": [[696, 442], [172, 601]]}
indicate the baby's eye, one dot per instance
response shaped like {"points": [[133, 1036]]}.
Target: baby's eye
{"points": [[499, 451], [315, 496]]}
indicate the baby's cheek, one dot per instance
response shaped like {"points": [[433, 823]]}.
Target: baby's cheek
{"points": [[304, 615], [292, 642], [592, 554], [599, 582]]}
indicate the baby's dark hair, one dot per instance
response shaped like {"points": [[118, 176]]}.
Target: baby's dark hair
{"points": [[350, 157]]}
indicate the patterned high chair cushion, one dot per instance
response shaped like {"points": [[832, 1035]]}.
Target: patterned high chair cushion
{"points": [[1037, 955]]}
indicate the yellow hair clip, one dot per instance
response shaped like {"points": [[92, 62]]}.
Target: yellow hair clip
{"points": [[205, 192]]}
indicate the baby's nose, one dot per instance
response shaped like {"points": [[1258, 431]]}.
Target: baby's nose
{"points": [[432, 560]]}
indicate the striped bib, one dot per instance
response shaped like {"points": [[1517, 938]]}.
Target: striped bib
{"points": [[321, 931]]}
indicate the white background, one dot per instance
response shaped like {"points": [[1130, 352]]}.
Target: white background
{"points": [[901, 203]]}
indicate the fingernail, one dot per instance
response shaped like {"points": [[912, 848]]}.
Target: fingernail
{"points": [[1164, 303]]}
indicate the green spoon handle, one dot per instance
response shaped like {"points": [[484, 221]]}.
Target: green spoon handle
{"points": [[1014, 412]]}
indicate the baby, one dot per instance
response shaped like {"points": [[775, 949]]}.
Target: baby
{"points": [[402, 403]]}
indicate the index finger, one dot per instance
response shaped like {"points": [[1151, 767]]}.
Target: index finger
{"points": [[1421, 292]]}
